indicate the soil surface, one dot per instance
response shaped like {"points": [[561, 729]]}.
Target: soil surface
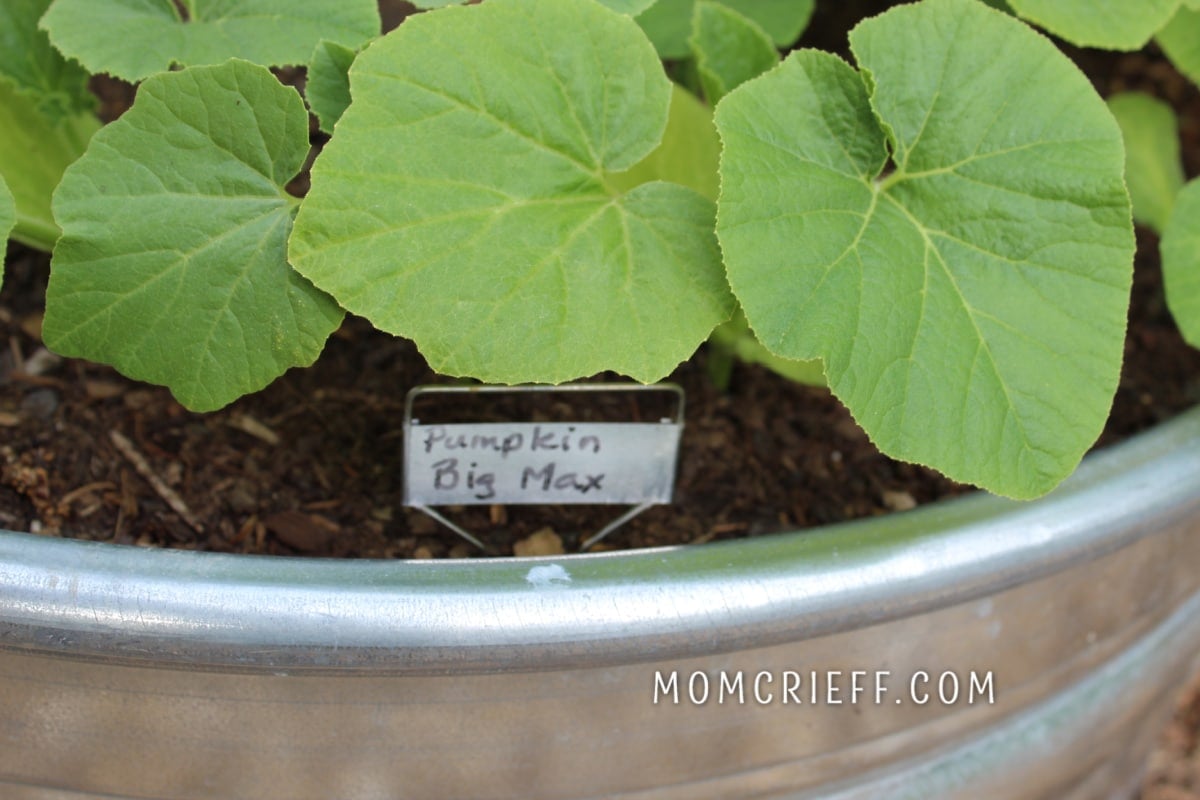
{"points": [[312, 465]]}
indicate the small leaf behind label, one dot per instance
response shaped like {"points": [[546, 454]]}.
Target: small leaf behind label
{"points": [[689, 152], [172, 263], [736, 339], [469, 188], [1180, 248], [1153, 168], [970, 305]]}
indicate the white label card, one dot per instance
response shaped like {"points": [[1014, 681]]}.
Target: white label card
{"points": [[545, 463]]}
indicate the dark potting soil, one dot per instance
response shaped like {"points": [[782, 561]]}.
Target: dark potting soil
{"points": [[312, 465]]}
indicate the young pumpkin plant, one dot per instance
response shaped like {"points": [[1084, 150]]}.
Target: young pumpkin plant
{"points": [[940, 231]]}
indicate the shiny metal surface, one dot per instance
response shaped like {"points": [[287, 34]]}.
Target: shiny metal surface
{"points": [[131, 673]]}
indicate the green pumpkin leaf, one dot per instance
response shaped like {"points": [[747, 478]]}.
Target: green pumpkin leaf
{"points": [[136, 38], [668, 23], [172, 264], [35, 148], [1111, 24], [969, 305], [1180, 247], [729, 49], [328, 85], [469, 186], [1153, 169], [1180, 40], [31, 64]]}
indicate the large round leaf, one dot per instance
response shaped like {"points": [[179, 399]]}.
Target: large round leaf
{"points": [[136, 38], [172, 263], [466, 200], [970, 305]]}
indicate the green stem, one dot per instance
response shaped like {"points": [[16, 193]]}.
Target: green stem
{"points": [[888, 182], [35, 232]]}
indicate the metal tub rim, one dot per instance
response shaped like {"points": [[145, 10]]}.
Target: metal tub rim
{"points": [[180, 609]]}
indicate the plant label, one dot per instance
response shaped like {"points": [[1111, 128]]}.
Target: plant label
{"points": [[541, 462]]}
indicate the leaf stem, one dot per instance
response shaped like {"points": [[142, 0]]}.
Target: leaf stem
{"points": [[35, 232], [888, 181]]}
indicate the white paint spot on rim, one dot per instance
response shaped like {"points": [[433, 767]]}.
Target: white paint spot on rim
{"points": [[548, 575]]}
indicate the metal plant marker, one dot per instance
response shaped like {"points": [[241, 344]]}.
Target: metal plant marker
{"points": [[540, 463]]}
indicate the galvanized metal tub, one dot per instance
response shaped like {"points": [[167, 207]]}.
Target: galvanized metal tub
{"points": [[147, 674]]}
